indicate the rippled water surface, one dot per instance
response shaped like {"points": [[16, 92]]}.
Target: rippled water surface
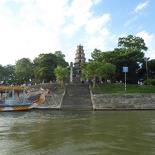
{"points": [[77, 133]]}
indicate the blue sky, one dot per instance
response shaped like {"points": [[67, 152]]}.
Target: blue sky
{"points": [[31, 27]]}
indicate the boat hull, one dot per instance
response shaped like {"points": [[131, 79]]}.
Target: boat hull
{"points": [[21, 107], [14, 108]]}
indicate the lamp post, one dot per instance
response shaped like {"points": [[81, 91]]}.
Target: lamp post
{"points": [[145, 59]]}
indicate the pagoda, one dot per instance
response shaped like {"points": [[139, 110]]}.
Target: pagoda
{"points": [[79, 58]]}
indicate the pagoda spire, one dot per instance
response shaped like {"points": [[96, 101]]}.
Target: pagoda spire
{"points": [[79, 58]]}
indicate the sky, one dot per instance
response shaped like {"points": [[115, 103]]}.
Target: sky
{"points": [[31, 27]]}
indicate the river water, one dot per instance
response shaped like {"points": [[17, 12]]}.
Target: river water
{"points": [[47, 132]]}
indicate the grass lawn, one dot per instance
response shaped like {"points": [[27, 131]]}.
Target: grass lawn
{"points": [[118, 88]]}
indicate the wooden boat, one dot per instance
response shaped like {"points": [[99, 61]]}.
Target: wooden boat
{"points": [[17, 101]]}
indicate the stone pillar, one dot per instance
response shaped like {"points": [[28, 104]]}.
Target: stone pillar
{"points": [[71, 72]]}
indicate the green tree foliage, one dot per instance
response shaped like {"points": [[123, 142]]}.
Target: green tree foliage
{"points": [[96, 55], [133, 43], [24, 70], [93, 69], [45, 65], [61, 73], [107, 70], [130, 53], [10, 77], [151, 68], [90, 70], [61, 59], [7, 74], [120, 58], [2, 73]]}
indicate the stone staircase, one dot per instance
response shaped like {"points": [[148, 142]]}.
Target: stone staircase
{"points": [[77, 97]]}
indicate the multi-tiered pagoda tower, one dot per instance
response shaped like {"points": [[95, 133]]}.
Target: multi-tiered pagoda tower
{"points": [[79, 58]]}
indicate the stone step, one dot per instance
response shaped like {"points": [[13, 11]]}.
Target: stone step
{"points": [[77, 97]]}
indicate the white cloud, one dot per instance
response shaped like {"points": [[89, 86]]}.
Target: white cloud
{"points": [[70, 53], [39, 27], [128, 22], [28, 43], [97, 1], [3, 1], [103, 42], [51, 14], [34, 29], [80, 15], [149, 41], [96, 24], [70, 30], [79, 11], [141, 6], [92, 43], [104, 32], [95, 42]]}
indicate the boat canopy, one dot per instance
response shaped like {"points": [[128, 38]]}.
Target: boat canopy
{"points": [[12, 87]]}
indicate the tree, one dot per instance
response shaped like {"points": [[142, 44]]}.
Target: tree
{"points": [[60, 74], [93, 69], [132, 42], [10, 77], [61, 59], [130, 53], [7, 74], [151, 68], [2, 74], [90, 70], [107, 70], [24, 70], [132, 49], [96, 55], [45, 65]]}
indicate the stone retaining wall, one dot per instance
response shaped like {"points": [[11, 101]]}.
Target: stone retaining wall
{"points": [[107, 101], [53, 101], [123, 101]]}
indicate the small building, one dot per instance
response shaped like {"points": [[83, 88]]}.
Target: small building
{"points": [[79, 58]]}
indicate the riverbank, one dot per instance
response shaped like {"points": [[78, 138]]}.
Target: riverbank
{"points": [[123, 101], [107, 101], [131, 101]]}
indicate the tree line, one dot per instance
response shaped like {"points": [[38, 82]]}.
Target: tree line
{"points": [[130, 53], [26, 71]]}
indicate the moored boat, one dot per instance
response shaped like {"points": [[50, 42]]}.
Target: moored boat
{"points": [[15, 99]]}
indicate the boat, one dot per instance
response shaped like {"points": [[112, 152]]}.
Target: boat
{"points": [[14, 98]]}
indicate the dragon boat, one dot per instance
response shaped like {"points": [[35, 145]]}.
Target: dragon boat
{"points": [[14, 98]]}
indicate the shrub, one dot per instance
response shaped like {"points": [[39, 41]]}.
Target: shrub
{"points": [[149, 82]]}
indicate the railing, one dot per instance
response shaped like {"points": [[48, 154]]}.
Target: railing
{"points": [[16, 101]]}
